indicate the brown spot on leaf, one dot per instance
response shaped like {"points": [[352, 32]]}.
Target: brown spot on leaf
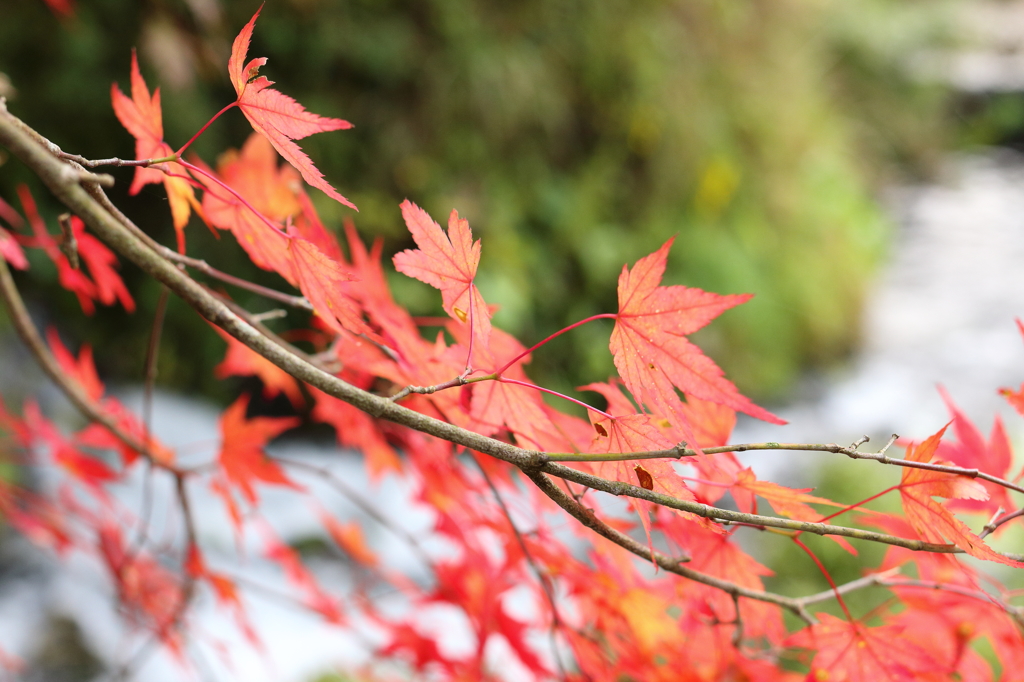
{"points": [[644, 476]]}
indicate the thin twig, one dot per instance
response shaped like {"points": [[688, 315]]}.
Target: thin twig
{"points": [[201, 265], [850, 451], [994, 524], [556, 619], [360, 502], [852, 586], [893, 579], [428, 390], [266, 332]]}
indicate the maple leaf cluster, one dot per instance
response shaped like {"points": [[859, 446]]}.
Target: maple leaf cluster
{"points": [[659, 440]]}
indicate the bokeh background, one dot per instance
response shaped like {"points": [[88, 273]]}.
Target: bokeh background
{"points": [[574, 136]]}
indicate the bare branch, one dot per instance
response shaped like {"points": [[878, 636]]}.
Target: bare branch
{"points": [[201, 265]]}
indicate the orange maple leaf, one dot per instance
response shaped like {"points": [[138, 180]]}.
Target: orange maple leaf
{"points": [[141, 116], [1015, 398], [349, 537], [241, 454], [933, 521], [356, 429], [276, 116], [325, 284], [240, 360], [650, 348], [253, 173], [447, 262]]}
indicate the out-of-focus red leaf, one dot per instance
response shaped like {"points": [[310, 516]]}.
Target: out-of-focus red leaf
{"points": [[242, 457], [853, 652], [142, 117], [241, 360]]}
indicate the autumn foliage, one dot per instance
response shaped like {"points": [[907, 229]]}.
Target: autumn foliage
{"points": [[517, 488]]}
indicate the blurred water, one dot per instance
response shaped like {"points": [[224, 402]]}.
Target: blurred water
{"points": [[942, 311]]}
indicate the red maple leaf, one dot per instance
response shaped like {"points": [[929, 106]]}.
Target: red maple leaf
{"points": [[627, 432], [144, 586], [717, 554], [107, 287], [972, 452], [849, 651], [447, 262], [11, 252], [142, 117], [933, 521], [1015, 398], [650, 348], [96, 435], [101, 262], [242, 456], [276, 116]]}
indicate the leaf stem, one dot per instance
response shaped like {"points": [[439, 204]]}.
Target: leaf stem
{"points": [[203, 129], [221, 183], [828, 577], [602, 316], [554, 393]]}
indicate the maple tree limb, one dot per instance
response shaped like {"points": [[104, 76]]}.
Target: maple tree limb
{"points": [[620, 488], [257, 324]]}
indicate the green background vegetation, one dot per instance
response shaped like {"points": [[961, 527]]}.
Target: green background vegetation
{"points": [[575, 137]]}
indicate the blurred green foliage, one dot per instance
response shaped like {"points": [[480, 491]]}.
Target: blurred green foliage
{"points": [[575, 137]]}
